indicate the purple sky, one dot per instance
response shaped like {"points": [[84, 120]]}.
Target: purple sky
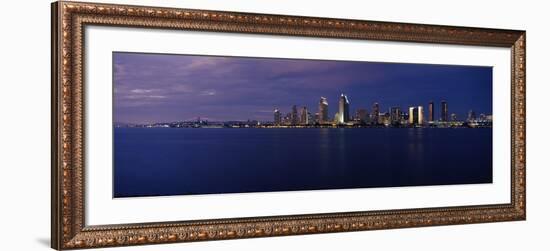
{"points": [[165, 88]]}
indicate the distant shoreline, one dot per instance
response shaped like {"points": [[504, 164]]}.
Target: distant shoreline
{"points": [[310, 127]]}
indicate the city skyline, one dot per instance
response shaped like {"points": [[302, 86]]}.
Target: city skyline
{"points": [[396, 115], [161, 88]]}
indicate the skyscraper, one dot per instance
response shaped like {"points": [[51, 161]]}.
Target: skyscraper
{"points": [[294, 115], [287, 120], [395, 115], [277, 117], [343, 109], [412, 111], [304, 118], [323, 110], [375, 113], [420, 115], [444, 111], [431, 111], [416, 115]]}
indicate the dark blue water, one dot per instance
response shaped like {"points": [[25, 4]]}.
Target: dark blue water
{"points": [[177, 161]]}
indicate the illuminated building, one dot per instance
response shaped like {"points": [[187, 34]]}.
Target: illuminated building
{"points": [[431, 111], [385, 119], [323, 110], [395, 115], [444, 111], [294, 115], [482, 117], [343, 109], [287, 120], [416, 115], [375, 113], [277, 117], [411, 114], [310, 118], [471, 115], [420, 115], [304, 118]]}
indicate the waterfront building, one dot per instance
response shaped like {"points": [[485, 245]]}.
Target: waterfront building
{"points": [[343, 109], [431, 111], [416, 116], [404, 117], [482, 117], [411, 115], [444, 111], [395, 115], [362, 115], [323, 111], [304, 118], [375, 113], [454, 118], [385, 119], [310, 118], [287, 120], [277, 117], [294, 115], [471, 115], [420, 115]]}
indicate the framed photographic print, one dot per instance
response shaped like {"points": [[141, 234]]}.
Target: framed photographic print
{"points": [[176, 125]]}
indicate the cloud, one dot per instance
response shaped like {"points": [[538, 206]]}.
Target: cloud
{"points": [[199, 63], [181, 88], [208, 93], [144, 97], [141, 91], [156, 96]]}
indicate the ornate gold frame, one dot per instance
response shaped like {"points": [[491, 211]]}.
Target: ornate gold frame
{"points": [[68, 228]]}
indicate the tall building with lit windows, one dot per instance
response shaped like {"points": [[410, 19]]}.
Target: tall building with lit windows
{"points": [[343, 109], [416, 115], [287, 120], [395, 115], [277, 117], [431, 111], [375, 113], [444, 111], [304, 116], [420, 115], [294, 115], [323, 111]]}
